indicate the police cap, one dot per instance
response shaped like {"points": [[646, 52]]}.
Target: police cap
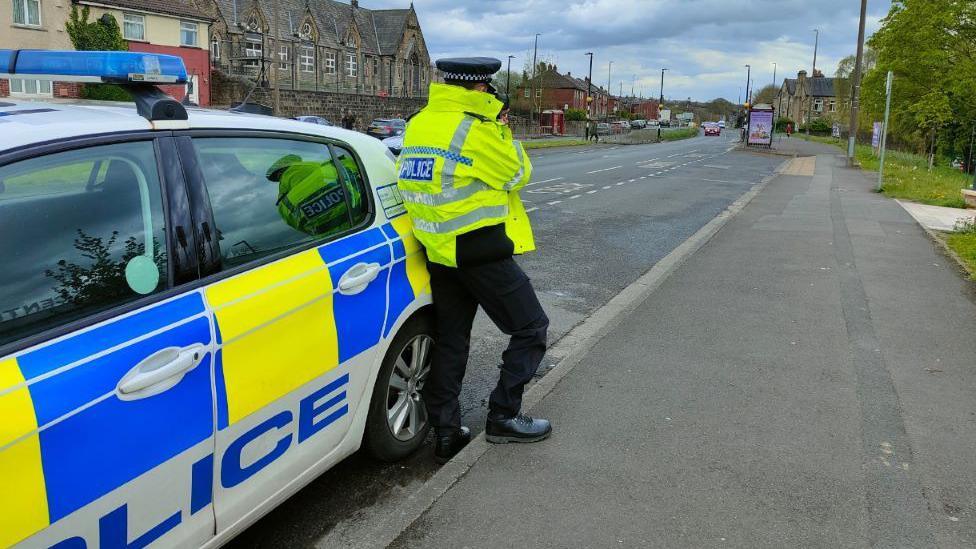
{"points": [[472, 69]]}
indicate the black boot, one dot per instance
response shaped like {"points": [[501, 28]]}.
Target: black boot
{"points": [[446, 446], [520, 428]]}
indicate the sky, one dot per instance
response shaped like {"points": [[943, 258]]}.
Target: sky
{"points": [[704, 44]]}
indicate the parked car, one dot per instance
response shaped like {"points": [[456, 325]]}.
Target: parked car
{"points": [[712, 128], [621, 126], [721, 124], [381, 128], [665, 123], [603, 128], [638, 124], [395, 144], [653, 123], [203, 320], [314, 119]]}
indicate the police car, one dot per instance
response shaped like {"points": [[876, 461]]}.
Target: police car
{"points": [[200, 311]]}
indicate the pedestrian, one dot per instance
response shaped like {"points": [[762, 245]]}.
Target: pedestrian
{"points": [[348, 119], [594, 131], [789, 129], [459, 182]]}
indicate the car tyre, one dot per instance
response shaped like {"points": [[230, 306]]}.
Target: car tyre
{"points": [[397, 423]]}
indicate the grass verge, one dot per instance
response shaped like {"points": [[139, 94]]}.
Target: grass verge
{"points": [[907, 176], [545, 144], [964, 244], [682, 133]]}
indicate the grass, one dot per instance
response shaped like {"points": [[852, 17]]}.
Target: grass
{"points": [[682, 133], [963, 242], [907, 176], [545, 144]]}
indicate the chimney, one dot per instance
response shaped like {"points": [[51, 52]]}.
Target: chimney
{"points": [[569, 73], [801, 75], [354, 3]]}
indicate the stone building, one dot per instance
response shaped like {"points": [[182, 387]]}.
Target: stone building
{"points": [[319, 46], [801, 98]]}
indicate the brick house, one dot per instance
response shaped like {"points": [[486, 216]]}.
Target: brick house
{"points": [[553, 90], [158, 26], [639, 107], [320, 46], [805, 97]]}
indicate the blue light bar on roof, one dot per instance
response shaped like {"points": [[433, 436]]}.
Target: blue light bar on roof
{"points": [[117, 67]]}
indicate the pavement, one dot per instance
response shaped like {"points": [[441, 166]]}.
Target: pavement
{"points": [[937, 218], [603, 216], [806, 379]]}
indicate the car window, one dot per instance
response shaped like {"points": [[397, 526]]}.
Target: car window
{"points": [[269, 195], [80, 232]]}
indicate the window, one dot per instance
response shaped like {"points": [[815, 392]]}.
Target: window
{"points": [[818, 104], [20, 86], [133, 26], [352, 66], [215, 47], [376, 67], [269, 195], [253, 50], [330, 62], [85, 232], [538, 92], [27, 12], [308, 59], [188, 33], [527, 93], [283, 54], [832, 105]]}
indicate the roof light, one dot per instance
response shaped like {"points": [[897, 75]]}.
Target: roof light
{"points": [[117, 67]]}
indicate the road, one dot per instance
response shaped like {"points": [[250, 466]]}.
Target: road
{"points": [[602, 217]]}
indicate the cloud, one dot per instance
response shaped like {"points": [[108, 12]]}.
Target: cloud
{"points": [[703, 43]]}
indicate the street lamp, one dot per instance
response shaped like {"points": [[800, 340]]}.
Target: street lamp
{"points": [[535, 51], [508, 79], [660, 104], [748, 80], [816, 42], [589, 88], [606, 115], [774, 74]]}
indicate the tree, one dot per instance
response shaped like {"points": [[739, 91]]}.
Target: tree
{"points": [[766, 95], [501, 79], [101, 35]]}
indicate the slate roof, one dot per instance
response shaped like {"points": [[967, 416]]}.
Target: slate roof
{"points": [[552, 79], [821, 86], [791, 86], [379, 30], [179, 8]]}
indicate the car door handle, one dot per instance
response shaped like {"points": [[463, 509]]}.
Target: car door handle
{"points": [[358, 277], [159, 371]]}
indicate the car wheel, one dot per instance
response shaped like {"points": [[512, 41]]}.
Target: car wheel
{"points": [[397, 423]]}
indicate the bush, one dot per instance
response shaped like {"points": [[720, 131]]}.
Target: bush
{"points": [[101, 35], [819, 126], [781, 123], [575, 115]]}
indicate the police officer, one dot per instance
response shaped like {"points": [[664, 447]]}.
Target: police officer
{"points": [[459, 173]]}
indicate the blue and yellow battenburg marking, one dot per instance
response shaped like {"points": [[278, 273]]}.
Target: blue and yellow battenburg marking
{"points": [[66, 440]]}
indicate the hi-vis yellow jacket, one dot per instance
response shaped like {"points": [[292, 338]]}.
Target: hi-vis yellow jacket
{"points": [[460, 170]]}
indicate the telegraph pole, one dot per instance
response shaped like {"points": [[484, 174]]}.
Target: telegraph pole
{"points": [[607, 114], [884, 130], [748, 80], [589, 88], [856, 95], [535, 51], [774, 74], [816, 42], [660, 104]]}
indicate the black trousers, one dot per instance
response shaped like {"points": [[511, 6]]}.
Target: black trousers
{"points": [[503, 290]]}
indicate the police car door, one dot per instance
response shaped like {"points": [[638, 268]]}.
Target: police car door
{"points": [[106, 436], [298, 299]]}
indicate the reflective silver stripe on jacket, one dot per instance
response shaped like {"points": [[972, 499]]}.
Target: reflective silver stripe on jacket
{"points": [[460, 222], [446, 196], [521, 170], [457, 143]]}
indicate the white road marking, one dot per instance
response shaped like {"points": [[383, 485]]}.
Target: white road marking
{"points": [[591, 192], [674, 155], [643, 177], [554, 202], [605, 169], [718, 181], [575, 196], [631, 180], [621, 183], [531, 210], [606, 186], [647, 161], [544, 181]]}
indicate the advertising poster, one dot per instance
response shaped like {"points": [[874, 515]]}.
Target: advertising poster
{"points": [[876, 135], [761, 128], [835, 130]]}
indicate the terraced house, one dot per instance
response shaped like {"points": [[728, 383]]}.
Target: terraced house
{"points": [[321, 45]]}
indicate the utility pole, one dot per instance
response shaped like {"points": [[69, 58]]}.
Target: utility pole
{"points": [[856, 89], [748, 80], [816, 42], [589, 88], [606, 115], [535, 51], [508, 79], [660, 104], [884, 130], [774, 74]]}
